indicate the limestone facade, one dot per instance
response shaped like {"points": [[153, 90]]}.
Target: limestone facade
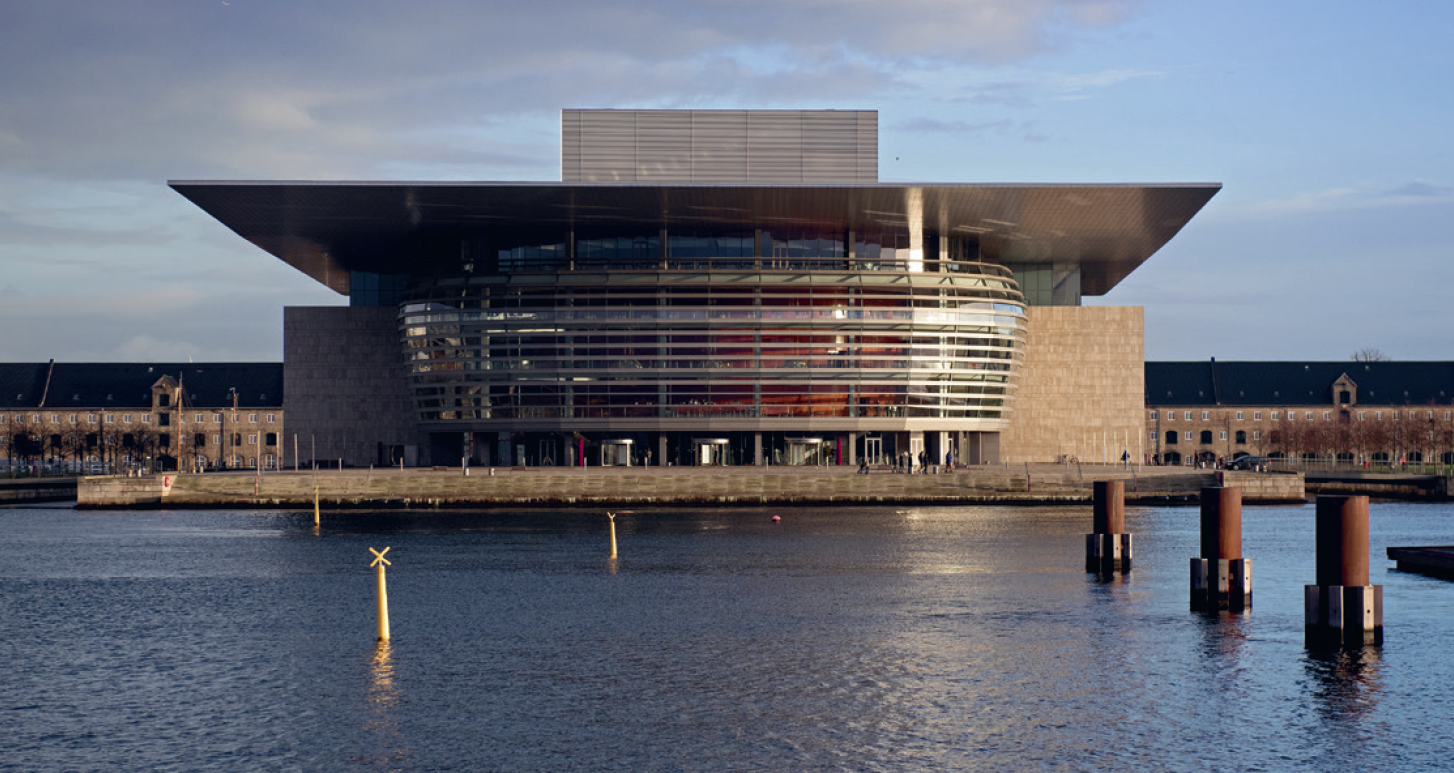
{"points": [[347, 394], [1081, 387]]}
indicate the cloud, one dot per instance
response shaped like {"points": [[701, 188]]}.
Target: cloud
{"points": [[1419, 189], [1347, 198], [334, 89]]}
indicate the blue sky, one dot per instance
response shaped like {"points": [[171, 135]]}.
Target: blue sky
{"points": [[1329, 124]]}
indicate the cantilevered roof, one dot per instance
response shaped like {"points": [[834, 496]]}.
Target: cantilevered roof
{"points": [[327, 229]]}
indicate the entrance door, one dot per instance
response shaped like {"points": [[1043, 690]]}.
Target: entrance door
{"points": [[873, 450]]}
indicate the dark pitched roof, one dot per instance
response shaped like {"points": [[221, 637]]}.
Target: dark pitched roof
{"points": [[128, 385], [1297, 383]]}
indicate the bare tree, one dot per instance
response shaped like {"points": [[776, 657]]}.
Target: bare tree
{"points": [[1370, 354]]}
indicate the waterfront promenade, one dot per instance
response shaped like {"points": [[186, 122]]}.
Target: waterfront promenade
{"points": [[555, 486]]}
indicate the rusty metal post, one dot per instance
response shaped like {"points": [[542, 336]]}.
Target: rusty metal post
{"points": [[1343, 607], [1221, 578], [1109, 547]]}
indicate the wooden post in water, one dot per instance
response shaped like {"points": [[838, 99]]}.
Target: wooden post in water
{"points": [[379, 563], [1109, 548], [1221, 578], [1342, 608]]}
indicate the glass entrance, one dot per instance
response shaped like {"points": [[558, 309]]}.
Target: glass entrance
{"points": [[873, 450]]}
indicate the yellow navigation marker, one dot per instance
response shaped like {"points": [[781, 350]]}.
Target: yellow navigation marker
{"points": [[315, 509], [612, 516], [379, 563]]}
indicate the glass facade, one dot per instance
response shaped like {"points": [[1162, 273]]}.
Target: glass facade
{"points": [[752, 331]]}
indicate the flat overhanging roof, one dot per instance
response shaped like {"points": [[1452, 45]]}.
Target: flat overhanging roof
{"points": [[328, 229]]}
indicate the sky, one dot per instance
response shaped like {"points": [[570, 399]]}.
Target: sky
{"points": [[1329, 124]]}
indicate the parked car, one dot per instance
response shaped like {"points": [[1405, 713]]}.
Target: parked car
{"points": [[1248, 463]]}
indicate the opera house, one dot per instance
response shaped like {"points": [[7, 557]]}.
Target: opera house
{"points": [[710, 287]]}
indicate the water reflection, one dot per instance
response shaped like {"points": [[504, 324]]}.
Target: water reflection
{"points": [[383, 743], [1346, 681]]}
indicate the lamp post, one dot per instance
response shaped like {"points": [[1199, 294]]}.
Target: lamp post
{"points": [[231, 427]]}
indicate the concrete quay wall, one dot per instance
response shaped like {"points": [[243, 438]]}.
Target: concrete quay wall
{"points": [[615, 486], [15, 492]]}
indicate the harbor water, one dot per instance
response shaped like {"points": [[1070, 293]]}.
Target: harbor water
{"points": [[853, 639]]}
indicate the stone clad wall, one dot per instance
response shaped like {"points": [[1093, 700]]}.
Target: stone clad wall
{"points": [[1082, 386], [344, 384]]}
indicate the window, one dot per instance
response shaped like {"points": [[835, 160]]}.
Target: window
{"points": [[1308, 416], [1327, 415], [126, 419], [252, 418], [1171, 415], [91, 418], [1188, 436], [217, 440], [55, 418], [73, 418], [271, 438], [1291, 416], [182, 418], [1151, 437], [1206, 415], [216, 418], [1171, 438], [1274, 415], [1395, 415], [272, 417], [1360, 415], [1241, 415], [200, 418], [2, 418], [146, 418], [1206, 437], [1241, 437], [1257, 415], [20, 419], [1256, 434], [1222, 435], [1187, 416], [164, 420], [1448, 414], [1378, 415], [252, 440]]}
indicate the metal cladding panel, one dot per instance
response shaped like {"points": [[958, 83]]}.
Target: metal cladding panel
{"points": [[570, 145], [867, 146], [775, 146], [608, 146], [790, 146], [719, 145], [664, 146]]}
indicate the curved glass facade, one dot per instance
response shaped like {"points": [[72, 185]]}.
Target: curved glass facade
{"points": [[696, 341]]}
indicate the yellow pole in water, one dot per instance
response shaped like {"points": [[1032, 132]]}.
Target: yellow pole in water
{"points": [[379, 563], [315, 507], [612, 516]]}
